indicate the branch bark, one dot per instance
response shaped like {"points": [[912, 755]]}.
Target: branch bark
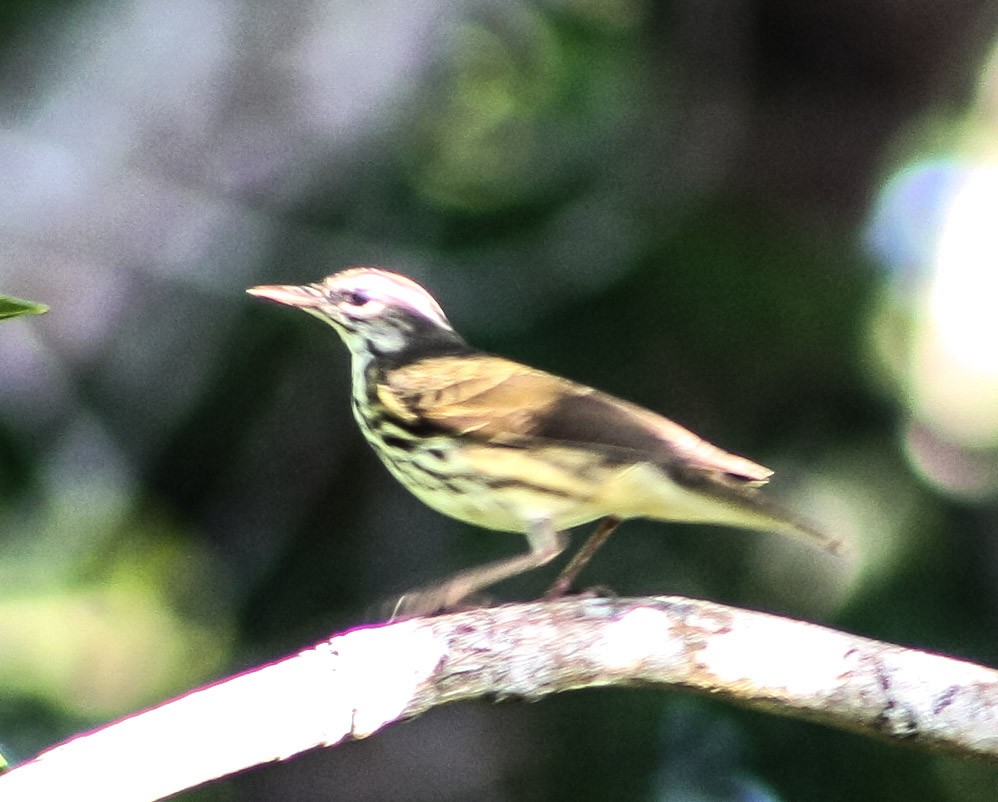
{"points": [[356, 683]]}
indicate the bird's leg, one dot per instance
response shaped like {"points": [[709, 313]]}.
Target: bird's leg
{"points": [[568, 574], [545, 545]]}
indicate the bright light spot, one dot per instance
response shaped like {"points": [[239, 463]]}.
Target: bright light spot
{"points": [[964, 294], [633, 638], [757, 651], [379, 670], [954, 369]]}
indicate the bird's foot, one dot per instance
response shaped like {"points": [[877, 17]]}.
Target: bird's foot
{"points": [[593, 592], [432, 601]]}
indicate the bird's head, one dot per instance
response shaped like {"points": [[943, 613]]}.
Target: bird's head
{"points": [[376, 312]]}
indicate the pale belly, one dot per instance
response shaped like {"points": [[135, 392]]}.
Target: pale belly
{"points": [[517, 490], [514, 490]]}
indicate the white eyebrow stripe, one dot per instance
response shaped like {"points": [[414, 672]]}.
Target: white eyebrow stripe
{"points": [[395, 289]]}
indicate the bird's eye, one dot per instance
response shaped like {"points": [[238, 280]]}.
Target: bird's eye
{"points": [[357, 298]]}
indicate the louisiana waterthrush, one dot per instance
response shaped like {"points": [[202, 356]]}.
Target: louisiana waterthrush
{"points": [[504, 446]]}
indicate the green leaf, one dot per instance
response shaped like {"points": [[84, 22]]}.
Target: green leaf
{"points": [[12, 307]]}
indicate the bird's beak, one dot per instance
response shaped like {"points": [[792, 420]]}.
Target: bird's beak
{"points": [[305, 296]]}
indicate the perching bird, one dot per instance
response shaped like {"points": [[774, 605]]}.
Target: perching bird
{"points": [[504, 446]]}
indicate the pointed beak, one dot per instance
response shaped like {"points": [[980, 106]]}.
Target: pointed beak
{"points": [[305, 296]]}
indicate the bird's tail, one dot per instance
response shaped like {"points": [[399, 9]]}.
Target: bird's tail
{"points": [[741, 503], [750, 509]]}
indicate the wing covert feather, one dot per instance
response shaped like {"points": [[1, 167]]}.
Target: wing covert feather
{"points": [[492, 399]]}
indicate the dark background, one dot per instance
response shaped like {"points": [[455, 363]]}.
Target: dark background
{"points": [[738, 214]]}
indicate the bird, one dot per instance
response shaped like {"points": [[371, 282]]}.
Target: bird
{"points": [[504, 446]]}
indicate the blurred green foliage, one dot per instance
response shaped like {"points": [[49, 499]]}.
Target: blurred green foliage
{"points": [[14, 307]]}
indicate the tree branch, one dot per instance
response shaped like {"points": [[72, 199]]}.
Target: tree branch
{"points": [[356, 683]]}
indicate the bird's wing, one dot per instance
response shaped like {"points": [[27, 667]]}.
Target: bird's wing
{"points": [[491, 399]]}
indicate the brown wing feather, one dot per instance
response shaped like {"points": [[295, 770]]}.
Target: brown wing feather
{"points": [[492, 399]]}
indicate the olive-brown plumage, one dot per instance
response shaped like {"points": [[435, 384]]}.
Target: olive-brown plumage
{"points": [[505, 446]]}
